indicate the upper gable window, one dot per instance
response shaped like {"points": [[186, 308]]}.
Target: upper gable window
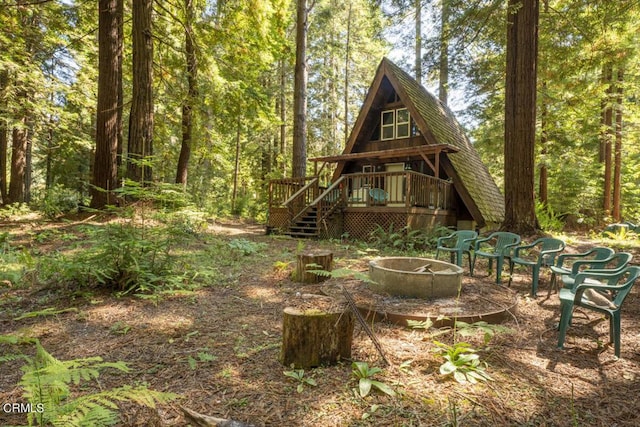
{"points": [[395, 124]]}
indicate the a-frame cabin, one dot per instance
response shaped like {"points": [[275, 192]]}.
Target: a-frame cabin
{"points": [[407, 163]]}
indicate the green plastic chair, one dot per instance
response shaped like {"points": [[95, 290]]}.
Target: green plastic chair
{"points": [[457, 244], [541, 253], [594, 258], [496, 246], [613, 264], [378, 196], [614, 287]]}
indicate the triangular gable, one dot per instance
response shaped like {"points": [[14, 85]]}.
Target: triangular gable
{"points": [[438, 125]]}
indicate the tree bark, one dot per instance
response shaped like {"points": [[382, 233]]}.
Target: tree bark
{"points": [[543, 193], [617, 155], [17, 181], [192, 93], [140, 143], [317, 260], [105, 168], [443, 84], [418, 41], [607, 136], [520, 116], [316, 337], [4, 142], [299, 160]]}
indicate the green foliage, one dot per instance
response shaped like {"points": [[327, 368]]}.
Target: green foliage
{"points": [[364, 374], [299, 376], [119, 256], [50, 311], [462, 362], [48, 384], [58, 200], [548, 219], [406, 239], [488, 330], [246, 247]]}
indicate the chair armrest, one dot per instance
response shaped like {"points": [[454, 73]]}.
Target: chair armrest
{"points": [[575, 267], [563, 257], [478, 242], [443, 239], [520, 248]]}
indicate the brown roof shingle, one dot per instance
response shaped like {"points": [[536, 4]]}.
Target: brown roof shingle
{"points": [[442, 124]]}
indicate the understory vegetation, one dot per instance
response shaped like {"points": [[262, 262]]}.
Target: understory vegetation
{"points": [[162, 253]]}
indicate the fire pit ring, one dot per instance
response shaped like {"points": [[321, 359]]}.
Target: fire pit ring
{"points": [[413, 277]]}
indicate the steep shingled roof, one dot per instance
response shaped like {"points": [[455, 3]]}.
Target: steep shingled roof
{"points": [[437, 119]]}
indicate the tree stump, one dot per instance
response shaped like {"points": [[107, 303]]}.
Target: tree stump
{"points": [[312, 337], [315, 260]]}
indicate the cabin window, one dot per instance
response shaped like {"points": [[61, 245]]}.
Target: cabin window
{"points": [[395, 124], [388, 124], [402, 123]]}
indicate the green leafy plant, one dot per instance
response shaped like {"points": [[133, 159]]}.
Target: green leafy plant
{"points": [[462, 362], [549, 219], [364, 374], [47, 384], [50, 311], [488, 330], [299, 376], [407, 239], [202, 357], [246, 247]]}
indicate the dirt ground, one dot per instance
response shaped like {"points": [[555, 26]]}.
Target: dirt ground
{"points": [[237, 325]]}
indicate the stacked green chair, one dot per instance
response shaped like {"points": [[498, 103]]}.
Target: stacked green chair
{"points": [[596, 257], [601, 292], [615, 263], [540, 253], [497, 246], [457, 244]]}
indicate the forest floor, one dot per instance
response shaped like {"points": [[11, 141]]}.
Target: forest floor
{"points": [[218, 348]]}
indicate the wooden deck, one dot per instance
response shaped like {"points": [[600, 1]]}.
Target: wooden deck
{"points": [[357, 203]]}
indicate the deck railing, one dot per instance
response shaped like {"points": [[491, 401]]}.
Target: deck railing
{"points": [[397, 189], [290, 199]]}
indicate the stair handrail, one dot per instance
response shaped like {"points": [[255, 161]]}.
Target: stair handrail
{"points": [[293, 215], [300, 191], [322, 214]]}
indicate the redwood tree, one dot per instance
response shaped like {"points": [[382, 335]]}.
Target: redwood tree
{"points": [[520, 116], [105, 168], [140, 143], [192, 93], [299, 164]]}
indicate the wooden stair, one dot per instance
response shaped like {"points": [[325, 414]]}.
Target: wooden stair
{"points": [[306, 226]]}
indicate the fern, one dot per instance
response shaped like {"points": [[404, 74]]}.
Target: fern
{"points": [[47, 381]]}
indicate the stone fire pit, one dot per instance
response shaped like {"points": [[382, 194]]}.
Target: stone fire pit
{"points": [[412, 277]]}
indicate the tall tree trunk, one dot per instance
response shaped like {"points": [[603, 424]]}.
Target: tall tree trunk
{"points": [[607, 136], [443, 84], [3, 162], [543, 194], [418, 46], [18, 163], [283, 117], [4, 83], [347, 62], [520, 116], [140, 143], [617, 163], [236, 169], [192, 93], [299, 160], [105, 168], [120, 53]]}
